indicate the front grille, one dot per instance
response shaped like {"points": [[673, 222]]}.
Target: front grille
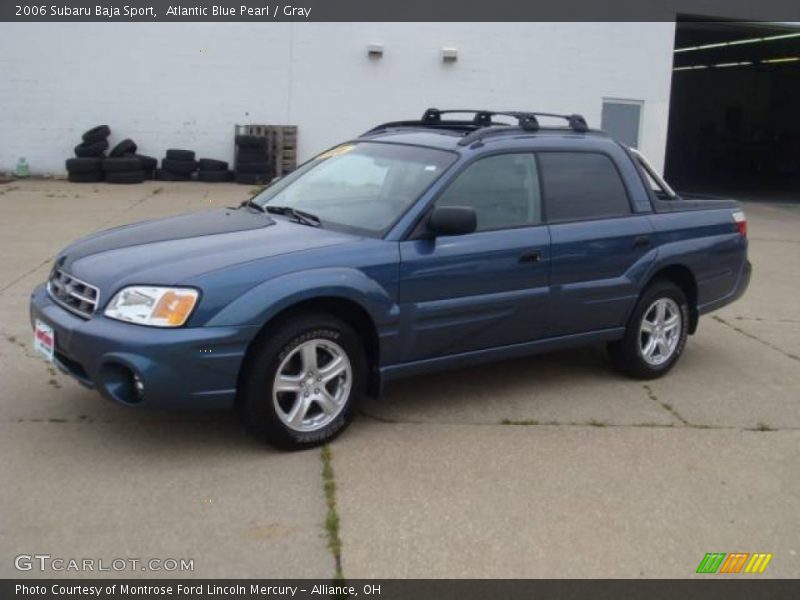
{"points": [[73, 294]]}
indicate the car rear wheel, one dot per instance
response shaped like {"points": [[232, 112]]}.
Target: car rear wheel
{"points": [[656, 333], [302, 381]]}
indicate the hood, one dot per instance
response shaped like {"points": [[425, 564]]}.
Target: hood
{"points": [[169, 251]]}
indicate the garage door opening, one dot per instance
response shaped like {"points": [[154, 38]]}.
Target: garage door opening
{"points": [[733, 123]]}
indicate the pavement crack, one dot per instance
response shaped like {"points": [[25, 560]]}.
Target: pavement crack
{"points": [[31, 271], [667, 407], [332, 517], [125, 210], [682, 424], [12, 339], [756, 338], [775, 241], [763, 320]]}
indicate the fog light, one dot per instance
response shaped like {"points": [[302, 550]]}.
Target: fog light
{"points": [[139, 385]]}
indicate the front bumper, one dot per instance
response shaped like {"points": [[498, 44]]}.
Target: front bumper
{"points": [[180, 368]]}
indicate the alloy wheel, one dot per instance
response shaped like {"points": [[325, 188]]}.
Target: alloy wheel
{"points": [[312, 385], [660, 331]]}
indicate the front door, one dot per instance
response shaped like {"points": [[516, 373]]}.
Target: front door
{"points": [[484, 289]]}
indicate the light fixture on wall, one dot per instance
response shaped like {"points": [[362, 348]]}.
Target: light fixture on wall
{"points": [[449, 54], [375, 50], [771, 38]]}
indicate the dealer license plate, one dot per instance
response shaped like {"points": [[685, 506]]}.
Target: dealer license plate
{"points": [[44, 339]]}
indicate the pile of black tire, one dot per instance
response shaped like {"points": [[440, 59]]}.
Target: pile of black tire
{"points": [[180, 165], [87, 166], [177, 165], [252, 160], [213, 171], [122, 165]]}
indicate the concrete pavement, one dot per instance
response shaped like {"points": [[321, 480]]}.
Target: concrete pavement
{"points": [[549, 466]]}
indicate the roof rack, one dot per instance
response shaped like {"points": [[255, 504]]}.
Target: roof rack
{"points": [[481, 125]]}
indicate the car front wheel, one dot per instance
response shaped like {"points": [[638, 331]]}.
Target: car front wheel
{"points": [[303, 380], [656, 333]]}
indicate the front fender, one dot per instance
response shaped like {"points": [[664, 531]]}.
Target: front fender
{"points": [[259, 304]]}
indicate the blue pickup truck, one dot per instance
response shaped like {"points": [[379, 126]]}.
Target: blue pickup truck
{"points": [[421, 245]]}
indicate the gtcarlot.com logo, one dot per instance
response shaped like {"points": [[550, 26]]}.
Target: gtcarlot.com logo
{"points": [[46, 562], [734, 562]]}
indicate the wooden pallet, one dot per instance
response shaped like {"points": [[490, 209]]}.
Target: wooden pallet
{"points": [[281, 144]]}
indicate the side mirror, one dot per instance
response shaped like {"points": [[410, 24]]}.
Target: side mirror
{"points": [[452, 220]]}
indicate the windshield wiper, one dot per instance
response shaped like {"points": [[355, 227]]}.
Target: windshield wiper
{"points": [[300, 216], [250, 204]]}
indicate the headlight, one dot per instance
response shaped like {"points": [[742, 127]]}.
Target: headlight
{"points": [[154, 306]]}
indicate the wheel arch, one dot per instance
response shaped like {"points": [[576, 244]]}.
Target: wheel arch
{"points": [[341, 307], [684, 278]]}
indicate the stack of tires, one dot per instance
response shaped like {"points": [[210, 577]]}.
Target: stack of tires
{"points": [[149, 165], [123, 165], [177, 165], [252, 160], [87, 166], [213, 171]]}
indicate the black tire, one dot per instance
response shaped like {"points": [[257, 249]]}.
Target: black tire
{"points": [[252, 178], [125, 177], [211, 164], [124, 147], [93, 150], [256, 399], [84, 165], [244, 156], [627, 354], [174, 154], [254, 167], [214, 176], [92, 177], [252, 141], [96, 134], [124, 164], [149, 163], [184, 167], [163, 175]]}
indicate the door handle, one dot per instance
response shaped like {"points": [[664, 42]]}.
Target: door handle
{"points": [[641, 241], [530, 256]]}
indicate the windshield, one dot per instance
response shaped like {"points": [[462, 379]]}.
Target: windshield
{"points": [[364, 187]]}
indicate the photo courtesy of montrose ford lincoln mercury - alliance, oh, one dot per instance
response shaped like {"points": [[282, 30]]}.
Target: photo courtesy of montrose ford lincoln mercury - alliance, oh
{"points": [[421, 245]]}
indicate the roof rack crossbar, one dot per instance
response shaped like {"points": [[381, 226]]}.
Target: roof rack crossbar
{"points": [[481, 124], [481, 118]]}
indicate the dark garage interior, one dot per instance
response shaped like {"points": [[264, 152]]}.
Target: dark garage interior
{"points": [[733, 124]]}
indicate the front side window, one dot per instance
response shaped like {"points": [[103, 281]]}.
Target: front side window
{"points": [[580, 186], [364, 187], [503, 190]]}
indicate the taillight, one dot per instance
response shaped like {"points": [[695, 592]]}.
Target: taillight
{"points": [[740, 220]]}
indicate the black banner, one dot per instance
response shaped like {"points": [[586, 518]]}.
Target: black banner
{"points": [[407, 10], [712, 588]]}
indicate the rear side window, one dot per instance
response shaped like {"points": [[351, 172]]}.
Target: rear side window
{"points": [[580, 186]]}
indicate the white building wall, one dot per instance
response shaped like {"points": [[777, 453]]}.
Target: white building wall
{"points": [[185, 85]]}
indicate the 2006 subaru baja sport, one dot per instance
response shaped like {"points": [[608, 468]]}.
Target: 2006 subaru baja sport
{"points": [[421, 245]]}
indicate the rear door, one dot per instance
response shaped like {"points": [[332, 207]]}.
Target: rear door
{"points": [[484, 289], [598, 243]]}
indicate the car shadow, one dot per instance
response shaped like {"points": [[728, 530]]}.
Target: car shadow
{"points": [[544, 373]]}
